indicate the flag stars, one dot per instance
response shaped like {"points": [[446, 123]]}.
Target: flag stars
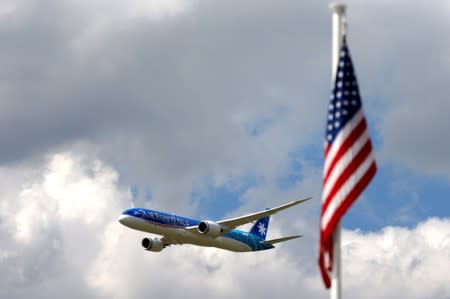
{"points": [[344, 98]]}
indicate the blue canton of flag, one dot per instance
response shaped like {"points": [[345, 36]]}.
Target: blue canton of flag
{"points": [[344, 100]]}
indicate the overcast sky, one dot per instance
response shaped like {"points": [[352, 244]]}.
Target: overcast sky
{"points": [[211, 109]]}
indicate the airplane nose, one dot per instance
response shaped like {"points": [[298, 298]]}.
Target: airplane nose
{"points": [[123, 219]]}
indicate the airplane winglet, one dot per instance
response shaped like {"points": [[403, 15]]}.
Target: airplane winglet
{"points": [[288, 205], [302, 200]]}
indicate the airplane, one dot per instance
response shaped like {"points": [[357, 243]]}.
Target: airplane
{"points": [[177, 230]]}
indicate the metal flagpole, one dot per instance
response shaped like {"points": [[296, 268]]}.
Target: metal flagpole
{"points": [[338, 32]]}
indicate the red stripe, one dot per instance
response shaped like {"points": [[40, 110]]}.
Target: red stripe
{"points": [[347, 202], [350, 169], [326, 247], [326, 240], [354, 135], [327, 148]]}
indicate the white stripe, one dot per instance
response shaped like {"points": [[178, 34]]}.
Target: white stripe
{"points": [[346, 189], [342, 164], [341, 137]]}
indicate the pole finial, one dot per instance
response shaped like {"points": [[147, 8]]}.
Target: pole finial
{"points": [[338, 8]]}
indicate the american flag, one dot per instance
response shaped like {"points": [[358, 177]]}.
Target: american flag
{"points": [[349, 164]]}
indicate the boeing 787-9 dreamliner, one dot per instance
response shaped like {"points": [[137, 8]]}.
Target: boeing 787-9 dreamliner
{"points": [[221, 234]]}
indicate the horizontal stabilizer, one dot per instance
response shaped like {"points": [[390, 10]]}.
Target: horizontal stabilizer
{"points": [[282, 239]]}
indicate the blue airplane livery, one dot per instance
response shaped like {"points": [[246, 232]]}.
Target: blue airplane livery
{"points": [[177, 230]]}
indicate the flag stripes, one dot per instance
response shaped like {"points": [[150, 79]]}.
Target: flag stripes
{"points": [[349, 163]]}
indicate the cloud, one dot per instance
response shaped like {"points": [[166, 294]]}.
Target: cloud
{"points": [[168, 100], [398, 262], [402, 69], [59, 234], [51, 220], [175, 95]]}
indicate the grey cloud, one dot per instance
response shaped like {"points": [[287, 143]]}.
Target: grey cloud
{"points": [[164, 100], [403, 65]]}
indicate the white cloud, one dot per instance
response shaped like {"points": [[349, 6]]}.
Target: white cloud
{"points": [[51, 218], [399, 262], [59, 232]]}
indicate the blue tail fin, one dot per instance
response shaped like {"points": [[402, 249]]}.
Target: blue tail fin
{"points": [[261, 227]]}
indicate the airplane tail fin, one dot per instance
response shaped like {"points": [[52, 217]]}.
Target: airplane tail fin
{"points": [[260, 227]]}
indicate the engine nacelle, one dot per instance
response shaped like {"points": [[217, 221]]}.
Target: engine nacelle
{"points": [[152, 244], [210, 227]]}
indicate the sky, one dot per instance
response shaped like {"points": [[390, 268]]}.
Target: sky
{"points": [[214, 109]]}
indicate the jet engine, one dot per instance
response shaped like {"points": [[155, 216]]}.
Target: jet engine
{"points": [[210, 228], [152, 244]]}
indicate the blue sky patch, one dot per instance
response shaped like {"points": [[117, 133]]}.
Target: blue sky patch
{"points": [[261, 123], [398, 197], [216, 201]]}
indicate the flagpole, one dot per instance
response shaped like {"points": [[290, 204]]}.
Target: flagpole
{"points": [[338, 32]]}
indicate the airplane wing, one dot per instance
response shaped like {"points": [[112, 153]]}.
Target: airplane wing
{"points": [[230, 224], [235, 222], [170, 241]]}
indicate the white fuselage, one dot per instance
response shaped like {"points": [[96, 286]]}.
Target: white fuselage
{"points": [[183, 236]]}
